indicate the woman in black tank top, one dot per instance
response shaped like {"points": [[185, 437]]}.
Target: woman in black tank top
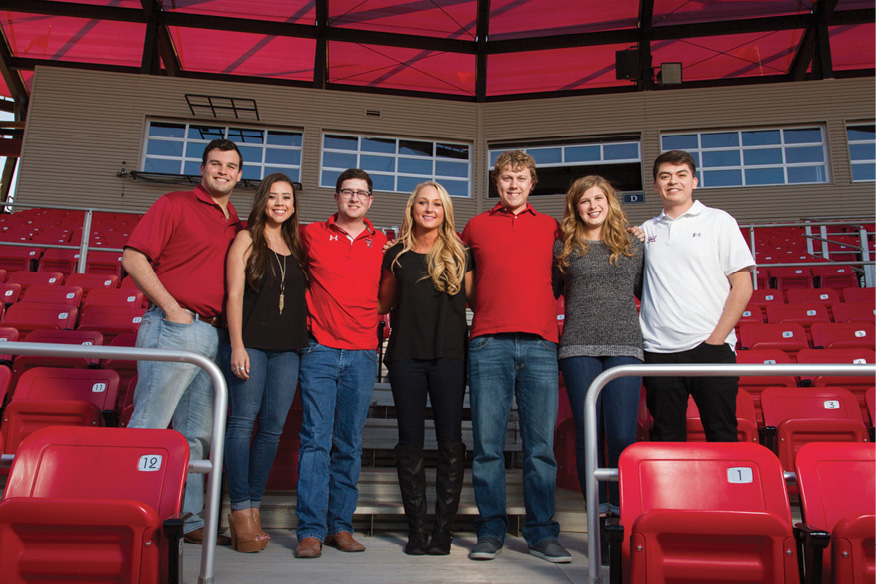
{"points": [[266, 327]]}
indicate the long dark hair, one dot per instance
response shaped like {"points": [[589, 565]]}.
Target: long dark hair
{"points": [[260, 252]]}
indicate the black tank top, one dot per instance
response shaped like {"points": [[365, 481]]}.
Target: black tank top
{"points": [[263, 326]]}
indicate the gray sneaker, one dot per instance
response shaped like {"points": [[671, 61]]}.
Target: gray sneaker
{"points": [[551, 551], [486, 549]]}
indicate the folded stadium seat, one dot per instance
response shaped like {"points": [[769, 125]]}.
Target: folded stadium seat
{"points": [[870, 399], [10, 293], [765, 296], [835, 277], [27, 316], [7, 334], [2, 275], [755, 384], [100, 503], [752, 314], [854, 311], [843, 248], [702, 512], [843, 335], [855, 294], [111, 320], [5, 384], [126, 405], [91, 281], [53, 294], [126, 368], [837, 484], [50, 396], [761, 278], [856, 384], [826, 296], [787, 278], [104, 262], [59, 260], [14, 259], [746, 419], [787, 336], [128, 283], [27, 279], [22, 363], [804, 314], [114, 297], [794, 416]]}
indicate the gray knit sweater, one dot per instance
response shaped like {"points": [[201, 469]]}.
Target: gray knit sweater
{"points": [[601, 318]]}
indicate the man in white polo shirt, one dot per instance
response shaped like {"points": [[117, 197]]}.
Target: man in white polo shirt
{"points": [[696, 285]]}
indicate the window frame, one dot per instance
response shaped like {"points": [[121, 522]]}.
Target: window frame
{"points": [[328, 172], [860, 161], [740, 148], [186, 162]]}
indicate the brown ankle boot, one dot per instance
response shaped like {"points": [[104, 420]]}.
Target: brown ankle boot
{"points": [[244, 535]]}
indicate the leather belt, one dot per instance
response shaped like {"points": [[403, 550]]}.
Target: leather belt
{"points": [[216, 321]]}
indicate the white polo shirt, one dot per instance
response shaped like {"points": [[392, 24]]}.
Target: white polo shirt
{"points": [[687, 261]]}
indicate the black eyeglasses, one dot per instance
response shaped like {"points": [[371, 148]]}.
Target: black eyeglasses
{"points": [[349, 194]]}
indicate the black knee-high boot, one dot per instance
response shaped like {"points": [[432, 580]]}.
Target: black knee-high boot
{"points": [[412, 480], [451, 470]]}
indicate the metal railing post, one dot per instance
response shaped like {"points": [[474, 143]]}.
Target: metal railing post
{"points": [[212, 467], [593, 474]]}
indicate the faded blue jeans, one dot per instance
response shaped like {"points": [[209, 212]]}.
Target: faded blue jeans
{"points": [[617, 412], [336, 389], [501, 367], [267, 396], [180, 392]]}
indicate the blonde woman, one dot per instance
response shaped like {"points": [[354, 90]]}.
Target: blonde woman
{"points": [[599, 269], [426, 276]]}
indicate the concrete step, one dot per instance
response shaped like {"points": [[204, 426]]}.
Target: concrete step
{"points": [[382, 434], [380, 506]]}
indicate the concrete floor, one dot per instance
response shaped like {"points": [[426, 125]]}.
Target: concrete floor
{"points": [[385, 563]]}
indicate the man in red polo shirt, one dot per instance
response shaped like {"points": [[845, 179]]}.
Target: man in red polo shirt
{"points": [[176, 256], [513, 352], [338, 368]]}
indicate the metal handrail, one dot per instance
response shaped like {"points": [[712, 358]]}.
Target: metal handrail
{"points": [[211, 467], [594, 474]]}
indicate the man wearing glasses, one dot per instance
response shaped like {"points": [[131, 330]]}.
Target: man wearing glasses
{"points": [[338, 368]]}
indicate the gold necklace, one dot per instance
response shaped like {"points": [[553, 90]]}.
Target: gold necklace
{"points": [[282, 280]]}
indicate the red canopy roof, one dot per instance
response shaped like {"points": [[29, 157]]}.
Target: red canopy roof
{"points": [[459, 49]]}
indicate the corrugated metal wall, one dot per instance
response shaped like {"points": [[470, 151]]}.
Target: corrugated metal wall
{"points": [[83, 126]]}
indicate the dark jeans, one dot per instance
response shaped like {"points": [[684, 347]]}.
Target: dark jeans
{"points": [[617, 410], [715, 396], [443, 381]]}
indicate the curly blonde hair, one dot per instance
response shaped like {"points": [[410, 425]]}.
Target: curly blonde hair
{"points": [[614, 229], [445, 262]]}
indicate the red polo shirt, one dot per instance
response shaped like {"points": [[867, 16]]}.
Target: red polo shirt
{"points": [[513, 257], [186, 237], [344, 281]]}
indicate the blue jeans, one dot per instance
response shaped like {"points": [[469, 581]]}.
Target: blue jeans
{"points": [[617, 412], [501, 367], [266, 395], [178, 392], [336, 389]]}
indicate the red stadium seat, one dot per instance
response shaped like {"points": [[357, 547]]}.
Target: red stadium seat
{"points": [[7, 334], [755, 384], [704, 512], [870, 400], [752, 314], [127, 369], [49, 396], [746, 419], [789, 337], [794, 416], [765, 296], [857, 385], [114, 297], [22, 363], [111, 320], [855, 294], [59, 260], [804, 314], [826, 296], [104, 262], [5, 383], [787, 278], [854, 311], [90, 281], [843, 335], [53, 294], [27, 279], [837, 484], [100, 503], [835, 277], [18, 259], [28, 316], [10, 293]]}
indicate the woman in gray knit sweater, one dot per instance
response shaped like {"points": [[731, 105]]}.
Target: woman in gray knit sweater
{"points": [[599, 271]]}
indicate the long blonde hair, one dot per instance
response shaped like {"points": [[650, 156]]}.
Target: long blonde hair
{"points": [[614, 229], [445, 262]]}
